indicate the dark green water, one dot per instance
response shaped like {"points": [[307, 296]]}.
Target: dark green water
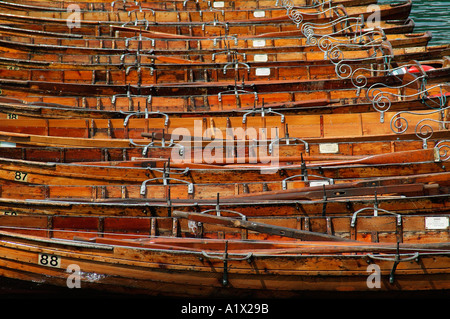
{"points": [[433, 16], [430, 15]]}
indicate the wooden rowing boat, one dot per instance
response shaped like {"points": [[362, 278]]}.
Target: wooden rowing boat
{"points": [[69, 201], [222, 268], [19, 56], [249, 126], [175, 5], [172, 73], [277, 14], [217, 73], [310, 200], [188, 175], [133, 39], [12, 108], [62, 150], [247, 28], [220, 105], [328, 145], [110, 52], [361, 225], [102, 82]]}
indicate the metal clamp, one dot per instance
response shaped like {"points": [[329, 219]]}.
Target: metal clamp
{"points": [[185, 2], [139, 38], [228, 52], [263, 112], [376, 210], [138, 22], [225, 258], [236, 66], [288, 141], [140, 10], [396, 258], [166, 121], [236, 92], [165, 179], [139, 67], [225, 38], [214, 23], [181, 151]]}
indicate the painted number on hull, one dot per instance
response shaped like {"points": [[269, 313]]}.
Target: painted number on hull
{"points": [[49, 260], [20, 176], [8, 213]]}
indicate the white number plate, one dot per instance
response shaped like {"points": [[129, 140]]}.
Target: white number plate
{"points": [[49, 260]]}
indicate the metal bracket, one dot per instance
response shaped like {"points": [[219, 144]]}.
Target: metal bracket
{"points": [[288, 142], [143, 190], [263, 112], [236, 66], [396, 258], [225, 258], [376, 210], [166, 121]]}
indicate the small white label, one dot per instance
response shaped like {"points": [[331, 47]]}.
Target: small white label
{"points": [[49, 260], [259, 14], [329, 148], [318, 183], [219, 4], [260, 58], [262, 71], [8, 213], [440, 222], [7, 144], [259, 43]]}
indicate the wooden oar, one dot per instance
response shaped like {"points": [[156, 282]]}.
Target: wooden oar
{"points": [[258, 227]]}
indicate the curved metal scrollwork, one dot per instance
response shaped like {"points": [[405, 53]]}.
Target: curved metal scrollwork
{"points": [[443, 148], [381, 96], [350, 25], [296, 14], [423, 129]]}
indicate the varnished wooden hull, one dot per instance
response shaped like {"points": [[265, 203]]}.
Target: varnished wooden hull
{"points": [[63, 201], [71, 50], [19, 109], [175, 5], [129, 40], [217, 130], [248, 182], [25, 147], [277, 14], [71, 174], [361, 225], [198, 273]]}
